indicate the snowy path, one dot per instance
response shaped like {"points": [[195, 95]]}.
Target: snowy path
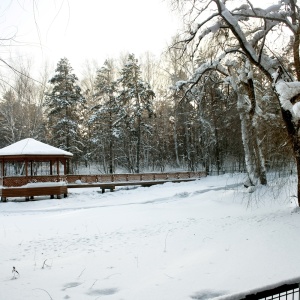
{"points": [[169, 242]]}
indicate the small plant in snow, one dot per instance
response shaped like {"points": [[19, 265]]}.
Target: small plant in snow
{"points": [[165, 250], [15, 273], [45, 265], [45, 292]]}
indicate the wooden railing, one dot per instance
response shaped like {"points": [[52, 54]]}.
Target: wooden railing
{"points": [[15, 181], [133, 177]]}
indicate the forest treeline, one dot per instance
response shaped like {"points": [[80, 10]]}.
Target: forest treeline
{"points": [[128, 114]]}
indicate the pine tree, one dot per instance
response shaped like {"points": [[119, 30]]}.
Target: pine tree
{"points": [[136, 96], [11, 121], [64, 104], [106, 116]]}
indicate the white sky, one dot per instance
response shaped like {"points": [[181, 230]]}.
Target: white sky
{"points": [[90, 29]]}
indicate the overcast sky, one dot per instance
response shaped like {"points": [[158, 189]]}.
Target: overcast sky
{"points": [[89, 29]]}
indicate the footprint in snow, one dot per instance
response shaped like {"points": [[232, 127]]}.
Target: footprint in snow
{"points": [[183, 195], [104, 292], [207, 294], [71, 285]]}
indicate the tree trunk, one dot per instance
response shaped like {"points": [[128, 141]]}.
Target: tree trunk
{"points": [[217, 152], [255, 163], [253, 155], [111, 144], [187, 142], [292, 130], [261, 169], [138, 145], [176, 144], [297, 157]]}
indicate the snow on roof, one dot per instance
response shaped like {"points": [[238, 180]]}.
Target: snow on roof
{"points": [[32, 147]]}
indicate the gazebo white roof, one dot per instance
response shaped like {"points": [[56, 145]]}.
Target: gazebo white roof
{"points": [[32, 147]]}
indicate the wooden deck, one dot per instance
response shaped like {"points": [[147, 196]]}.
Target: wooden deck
{"points": [[110, 181], [128, 177], [112, 185], [30, 192], [18, 186]]}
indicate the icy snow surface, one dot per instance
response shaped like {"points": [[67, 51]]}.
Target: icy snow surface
{"points": [[192, 240]]}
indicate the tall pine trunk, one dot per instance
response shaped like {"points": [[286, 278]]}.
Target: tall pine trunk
{"points": [[298, 175], [111, 144], [138, 145]]}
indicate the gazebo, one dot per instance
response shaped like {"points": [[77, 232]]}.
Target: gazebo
{"points": [[31, 168]]}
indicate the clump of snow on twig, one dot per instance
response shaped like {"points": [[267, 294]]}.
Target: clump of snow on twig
{"points": [[286, 91]]}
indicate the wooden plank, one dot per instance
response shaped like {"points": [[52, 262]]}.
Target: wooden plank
{"points": [[34, 191], [132, 177], [108, 185], [14, 181]]}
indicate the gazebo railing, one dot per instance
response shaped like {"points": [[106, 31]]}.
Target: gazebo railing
{"points": [[15, 181]]}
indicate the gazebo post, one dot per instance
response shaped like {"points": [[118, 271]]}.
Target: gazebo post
{"points": [[57, 170], [26, 170], [26, 176], [26, 167], [65, 172], [2, 167], [31, 169], [2, 172], [57, 167], [65, 166], [51, 173], [58, 196], [3, 198]]}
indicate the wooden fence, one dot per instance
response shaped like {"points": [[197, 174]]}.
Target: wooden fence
{"points": [[133, 177], [16, 181]]}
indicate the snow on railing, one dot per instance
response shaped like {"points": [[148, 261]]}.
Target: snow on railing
{"points": [[284, 290]]}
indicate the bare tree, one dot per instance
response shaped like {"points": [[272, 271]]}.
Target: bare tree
{"points": [[255, 33]]}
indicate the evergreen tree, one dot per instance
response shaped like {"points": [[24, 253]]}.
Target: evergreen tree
{"points": [[10, 119], [106, 116], [136, 96], [64, 103]]}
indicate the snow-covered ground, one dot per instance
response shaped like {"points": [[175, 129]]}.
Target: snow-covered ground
{"points": [[192, 240]]}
